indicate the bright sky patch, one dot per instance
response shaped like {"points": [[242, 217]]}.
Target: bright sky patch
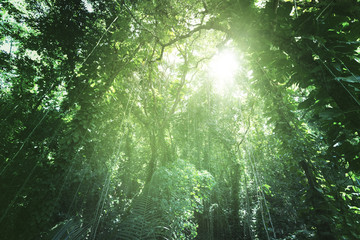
{"points": [[223, 68]]}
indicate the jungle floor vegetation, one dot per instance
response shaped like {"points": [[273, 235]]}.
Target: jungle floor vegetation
{"points": [[180, 119]]}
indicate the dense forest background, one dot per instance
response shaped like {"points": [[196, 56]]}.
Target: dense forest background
{"points": [[191, 119]]}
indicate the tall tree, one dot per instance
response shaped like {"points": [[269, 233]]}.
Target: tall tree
{"points": [[124, 120]]}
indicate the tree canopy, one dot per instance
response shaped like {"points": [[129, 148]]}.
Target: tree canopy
{"points": [[191, 119]]}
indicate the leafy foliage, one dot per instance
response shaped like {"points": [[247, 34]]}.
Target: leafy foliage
{"points": [[100, 101]]}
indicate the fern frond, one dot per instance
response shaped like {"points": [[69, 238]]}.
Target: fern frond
{"points": [[72, 229], [144, 222]]}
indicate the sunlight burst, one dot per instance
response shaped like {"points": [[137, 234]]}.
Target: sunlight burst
{"points": [[223, 68]]}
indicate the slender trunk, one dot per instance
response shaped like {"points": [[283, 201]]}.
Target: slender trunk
{"points": [[235, 202], [247, 225]]}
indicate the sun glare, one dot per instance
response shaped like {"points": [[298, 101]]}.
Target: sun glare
{"points": [[223, 68]]}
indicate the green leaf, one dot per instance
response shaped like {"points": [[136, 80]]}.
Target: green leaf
{"points": [[330, 114], [306, 104], [350, 79]]}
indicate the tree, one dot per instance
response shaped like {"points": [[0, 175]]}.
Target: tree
{"points": [[113, 127]]}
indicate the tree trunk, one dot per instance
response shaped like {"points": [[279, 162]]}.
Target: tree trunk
{"points": [[152, 162], [235, 202]]}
